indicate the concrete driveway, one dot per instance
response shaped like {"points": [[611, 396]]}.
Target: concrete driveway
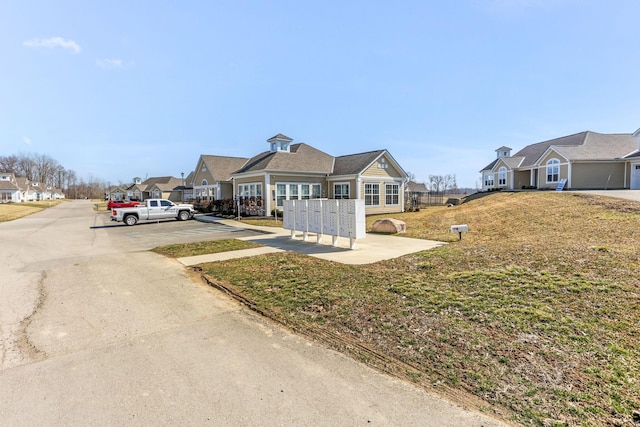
{"points": [[619, 194], [95, 330]]}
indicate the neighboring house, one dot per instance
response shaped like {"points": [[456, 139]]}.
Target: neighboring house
{"points": [[299, 171], [163, 187], [136, 190], [211, 179], [41, 191], [10, 192], [586, 160], [117, 192], [57, 194], [417, 194]]}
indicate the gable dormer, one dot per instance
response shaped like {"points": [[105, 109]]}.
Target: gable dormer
{"points": [[280, 143], [5, 177], [137, 180], [503, 152]]}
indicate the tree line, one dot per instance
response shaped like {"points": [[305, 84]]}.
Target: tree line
{"points": [[49, 173]]}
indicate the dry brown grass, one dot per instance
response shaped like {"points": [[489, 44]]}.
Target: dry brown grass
{"points": [[12, 211], [536, 311]]}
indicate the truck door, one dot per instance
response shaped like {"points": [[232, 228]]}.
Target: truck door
{"points": [[169, 209], [155, 210]]}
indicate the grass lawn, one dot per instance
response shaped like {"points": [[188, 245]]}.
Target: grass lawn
{"points": [[11, 211], [535, 312], [202, 248]]}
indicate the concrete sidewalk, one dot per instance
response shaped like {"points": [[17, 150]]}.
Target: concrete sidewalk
{"points": [[373, 248]]}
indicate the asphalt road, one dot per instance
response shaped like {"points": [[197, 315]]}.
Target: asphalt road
{"points": [[96, 330]]}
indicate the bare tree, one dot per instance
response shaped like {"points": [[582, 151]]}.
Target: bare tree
{"points": [[436, 183], [449, 183], [9, 164]]}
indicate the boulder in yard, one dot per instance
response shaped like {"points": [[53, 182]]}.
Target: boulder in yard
{"points": [[389, 225]]}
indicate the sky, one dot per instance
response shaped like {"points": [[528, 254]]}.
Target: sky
{"points": [[120, 89]]}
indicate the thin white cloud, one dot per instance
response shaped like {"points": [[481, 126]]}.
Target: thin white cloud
{"points": [[26, 140], [109, 63], [53, 42]]}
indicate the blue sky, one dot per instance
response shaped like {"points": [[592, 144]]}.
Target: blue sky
{"points": [[119, 89]]}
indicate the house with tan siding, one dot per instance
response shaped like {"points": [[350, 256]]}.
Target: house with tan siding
{"points": [[586, 160], [290, 170]]}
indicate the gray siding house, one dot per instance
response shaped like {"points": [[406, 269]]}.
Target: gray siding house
{"points": [[586, 160]]}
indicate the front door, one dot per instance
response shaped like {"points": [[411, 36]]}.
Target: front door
{"points": [[635, 176]]}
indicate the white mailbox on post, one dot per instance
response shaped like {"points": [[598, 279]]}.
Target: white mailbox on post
{"points": [[460, 228]]}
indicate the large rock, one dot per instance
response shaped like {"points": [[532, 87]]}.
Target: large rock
{"points": [[389, 225]]}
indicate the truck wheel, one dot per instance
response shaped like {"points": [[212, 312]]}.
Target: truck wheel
{"points": [[130, 220], [184, 215]]}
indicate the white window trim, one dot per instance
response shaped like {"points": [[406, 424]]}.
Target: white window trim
{"points": [[342, 183], [502, 176], [555, 164], [397, 194], [365, 194], [287, 193]]}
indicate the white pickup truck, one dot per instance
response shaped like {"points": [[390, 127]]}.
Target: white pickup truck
{"points": [[153, 209]]}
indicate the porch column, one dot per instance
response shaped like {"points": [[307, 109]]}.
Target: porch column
{"points": [[266, 195]]}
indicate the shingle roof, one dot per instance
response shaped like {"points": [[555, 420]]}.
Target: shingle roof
{"points": [[301, 158], [531, 153], [22, 183], [415, 187], [164, 183], [221, 167], [8, 185], [280, 137], [489, 166], [355, 163], [598, 146]]}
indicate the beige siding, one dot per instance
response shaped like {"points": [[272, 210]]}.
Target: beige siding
{"points": [[552, 155], [376, 169], [383, 208], [199, 175], [520, 179], [597, 175], [226, 190]]}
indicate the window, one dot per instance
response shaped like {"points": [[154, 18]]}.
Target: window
{"points": [[553, 170], [502, 176], [391, 194], [292, 191], [281, 194], [341, 191], [250, 190], [372, 194], [204, 182], [488, 180], [383, 164], [165, 203]]}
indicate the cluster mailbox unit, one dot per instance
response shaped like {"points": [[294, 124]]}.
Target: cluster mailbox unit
{"points": [[332, 217]]}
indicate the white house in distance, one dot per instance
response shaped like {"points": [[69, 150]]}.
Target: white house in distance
{"points": [[19, 189], [583, 161]]}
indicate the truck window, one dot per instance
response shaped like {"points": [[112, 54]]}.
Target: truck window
{"points": [[165, 203], [154, 203]]}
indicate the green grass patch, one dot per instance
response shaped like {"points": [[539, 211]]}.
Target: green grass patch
{"points": [[202, 248]]}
